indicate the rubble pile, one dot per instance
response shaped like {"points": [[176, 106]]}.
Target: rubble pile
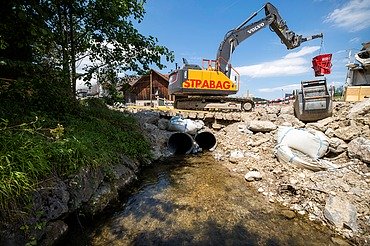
{"points": [[338, 196], [246, 145]]}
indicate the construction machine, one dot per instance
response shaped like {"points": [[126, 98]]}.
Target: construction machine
{"points": [[313, 101], [357, 86], [208, 87]]}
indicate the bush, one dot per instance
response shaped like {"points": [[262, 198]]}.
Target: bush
{"points": [[31, 152]]}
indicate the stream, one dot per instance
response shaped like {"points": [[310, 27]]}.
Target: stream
{"points": [[194, 200]]}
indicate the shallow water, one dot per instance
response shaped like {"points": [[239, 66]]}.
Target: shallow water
{"points": [[195, 201]]}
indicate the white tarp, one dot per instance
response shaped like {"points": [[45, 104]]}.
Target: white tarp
{"points": [[313, 143], [177, 124], [302, 148]]}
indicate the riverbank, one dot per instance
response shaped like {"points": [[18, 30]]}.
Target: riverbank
{"points": [[337, 198], [52, 168]]}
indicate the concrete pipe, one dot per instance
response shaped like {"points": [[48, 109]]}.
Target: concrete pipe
{"points": [[206, 140], [180, 143]]}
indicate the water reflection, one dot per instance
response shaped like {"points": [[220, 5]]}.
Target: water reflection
{"points": [[196, 201]]}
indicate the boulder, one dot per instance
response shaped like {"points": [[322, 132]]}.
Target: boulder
{"points": [[52, 199], [163, 124], [83, 185], [287, 110], [261, 126], [321, 125], [337, 145], [253, 176], [360, 109], [341, 213], [289, 120], [236, 154], [53, 231], [347, 133], [360, 148]]}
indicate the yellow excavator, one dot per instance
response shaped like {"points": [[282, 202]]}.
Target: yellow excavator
{"points": [[208, 87]]}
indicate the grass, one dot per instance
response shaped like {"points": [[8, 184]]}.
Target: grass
{"points": [[33, 151]]}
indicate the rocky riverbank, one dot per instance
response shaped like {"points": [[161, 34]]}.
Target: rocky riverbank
{"points": [[87, 193], [337, 197]]}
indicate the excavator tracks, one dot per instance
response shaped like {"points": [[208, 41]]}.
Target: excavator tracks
{"points": [[215, 103]]}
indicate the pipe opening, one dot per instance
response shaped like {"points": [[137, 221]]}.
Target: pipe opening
{"points": [[206, 140], [180, 143]]}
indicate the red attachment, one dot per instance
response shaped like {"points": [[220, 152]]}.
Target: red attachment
{"points": [[322, 64]]}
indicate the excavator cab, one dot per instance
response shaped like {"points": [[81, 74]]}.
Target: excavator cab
{"points": [[313, 102]]}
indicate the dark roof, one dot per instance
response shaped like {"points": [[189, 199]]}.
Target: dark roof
{"points": [[145, 78]]}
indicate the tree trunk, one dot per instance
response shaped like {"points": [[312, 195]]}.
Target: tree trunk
{"points": [[73, 49]]}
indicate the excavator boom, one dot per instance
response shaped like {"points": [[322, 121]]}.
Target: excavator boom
{"points": [[206, 88], [273, 19]]}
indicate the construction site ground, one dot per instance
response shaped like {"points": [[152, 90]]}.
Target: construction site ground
{"points": [[338, 198]]}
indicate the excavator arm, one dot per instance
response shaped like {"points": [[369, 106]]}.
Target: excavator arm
{"points": [[273, 19]]}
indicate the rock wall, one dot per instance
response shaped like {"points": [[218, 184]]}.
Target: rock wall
{"points": [[88, 192]]}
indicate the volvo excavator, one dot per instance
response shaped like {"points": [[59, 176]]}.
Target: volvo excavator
{"points": [[208, 87]]}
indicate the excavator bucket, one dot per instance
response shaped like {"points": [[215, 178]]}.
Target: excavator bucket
{"points": [[321, 64], [313, 102]]}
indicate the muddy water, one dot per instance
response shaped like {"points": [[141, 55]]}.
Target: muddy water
{"points": [[195, 201]]}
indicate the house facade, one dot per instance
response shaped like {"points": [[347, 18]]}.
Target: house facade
{"points": [[150, 89]]}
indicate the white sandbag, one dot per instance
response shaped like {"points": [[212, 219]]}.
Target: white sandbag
{"points": [[178, 124], [287, 155], [312, 143]]}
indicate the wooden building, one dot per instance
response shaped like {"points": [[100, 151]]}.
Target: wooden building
{"points": [[151, 89]]}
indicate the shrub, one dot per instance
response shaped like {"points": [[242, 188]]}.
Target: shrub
{"points": [[31, 152]]}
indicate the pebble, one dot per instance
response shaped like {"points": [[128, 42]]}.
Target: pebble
{"points": [[289, 214]]}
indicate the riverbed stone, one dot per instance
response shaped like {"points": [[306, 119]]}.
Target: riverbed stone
{"points": [[289, 214]]}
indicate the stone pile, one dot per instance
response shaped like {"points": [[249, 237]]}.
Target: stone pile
{"points": [[246, 146], [338, 197]]}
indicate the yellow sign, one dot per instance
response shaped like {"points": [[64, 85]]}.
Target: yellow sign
{"points": [[205, 84]]}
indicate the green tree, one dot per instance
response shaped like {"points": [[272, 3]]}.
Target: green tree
{"points": [[57, 34]]}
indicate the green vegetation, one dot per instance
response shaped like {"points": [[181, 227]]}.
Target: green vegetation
{"points": [[33, 151], [44, 130]]}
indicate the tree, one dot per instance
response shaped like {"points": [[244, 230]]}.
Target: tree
{"points": [[63, 32], [103, 31]]}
